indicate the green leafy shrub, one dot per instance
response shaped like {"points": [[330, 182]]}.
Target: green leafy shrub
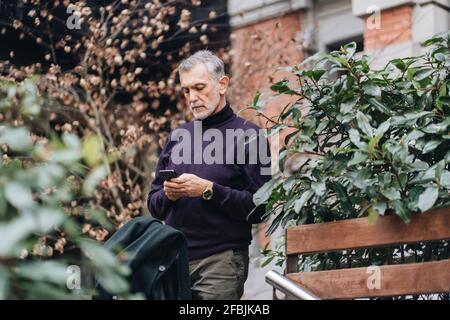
{"points": [[362, 142]]}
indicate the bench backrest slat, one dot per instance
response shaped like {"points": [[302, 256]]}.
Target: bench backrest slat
{"points": [[394, 280], [359, 233]]}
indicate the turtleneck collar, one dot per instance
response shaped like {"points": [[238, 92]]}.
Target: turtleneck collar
{"points": [[219, 117]]}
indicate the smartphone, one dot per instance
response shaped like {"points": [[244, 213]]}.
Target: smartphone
{"points": [[167, 174]]}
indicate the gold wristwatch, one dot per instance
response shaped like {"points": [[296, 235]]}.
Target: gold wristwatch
{"points": [[208, 193]]}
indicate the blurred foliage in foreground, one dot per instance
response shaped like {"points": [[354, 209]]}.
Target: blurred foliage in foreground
{"points": [[42, 249]]}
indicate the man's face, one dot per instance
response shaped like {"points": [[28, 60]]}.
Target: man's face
{"points": [[201, 91]]}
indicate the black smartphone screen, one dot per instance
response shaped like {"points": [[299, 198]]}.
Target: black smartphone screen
{"points": [[167, 174]]}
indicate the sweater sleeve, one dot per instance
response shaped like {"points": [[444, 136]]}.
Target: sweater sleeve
{"points": [[239, 203], [157, 202]]}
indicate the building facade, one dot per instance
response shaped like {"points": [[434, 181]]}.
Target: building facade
{"points": [[267, 34]]}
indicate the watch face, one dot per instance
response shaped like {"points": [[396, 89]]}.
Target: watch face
{"points": [[207, 194]]}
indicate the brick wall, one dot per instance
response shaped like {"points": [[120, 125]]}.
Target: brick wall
{"points": [[257, 50], [396, 27]]}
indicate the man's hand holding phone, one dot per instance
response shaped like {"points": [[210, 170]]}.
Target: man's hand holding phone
{"points": [[186, 185], [170, 191]]}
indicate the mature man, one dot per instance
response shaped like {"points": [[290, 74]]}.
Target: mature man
{"points": [[211, 201]]}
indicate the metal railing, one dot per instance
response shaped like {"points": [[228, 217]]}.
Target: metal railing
{"points": [[291, 289]]}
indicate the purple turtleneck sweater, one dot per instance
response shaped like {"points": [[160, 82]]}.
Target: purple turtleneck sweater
{"points": [[223, 222]]}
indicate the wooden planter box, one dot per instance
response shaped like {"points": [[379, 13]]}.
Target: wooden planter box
{"points": [[395, 280]]}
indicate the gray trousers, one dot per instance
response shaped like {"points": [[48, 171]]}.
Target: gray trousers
{"points": [[220, 276]]}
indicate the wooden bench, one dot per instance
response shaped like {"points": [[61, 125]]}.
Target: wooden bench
{"points": [[351, 283]]}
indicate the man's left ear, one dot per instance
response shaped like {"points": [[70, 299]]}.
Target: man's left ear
{"points": [[223, 84]]}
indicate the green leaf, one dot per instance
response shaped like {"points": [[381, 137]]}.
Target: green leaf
{"points": [[431, 145], [424, 176], [399, 64], [47, 271], [373, 142], [263, 193], [282, 88], [445, 179], [443, 89], [343, 197], [315, 74], [349, 49], [37, 290], [71, 229], [93, 179], [309, 126], [322, 125], [102, 257], [71, 140], [347, 107], [423, 73], [299, 203], [444, 99], [48, 218], [319, 188], [428, 198], [363, 123], [112, 282], [372, 89], [4, 282], [110, 273], [400, 210], [380, 207], [447, 157], [13, 233], [256, 99], [409, 118], [48, 174], [314, 58], [65, 156], [19, 195], [30, 106], [383, 127], [267, 261], [434, 40], [354, 136], [414, 135], [379, 106], [92, 150], [100, 217], [391, 193], [343, 61], [358, 157], [289, 183], [373, 215], [437, 128], [18, 139], [275, 129]]}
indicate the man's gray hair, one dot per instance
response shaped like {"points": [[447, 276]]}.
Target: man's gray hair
{"points": [[212, 62]]}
